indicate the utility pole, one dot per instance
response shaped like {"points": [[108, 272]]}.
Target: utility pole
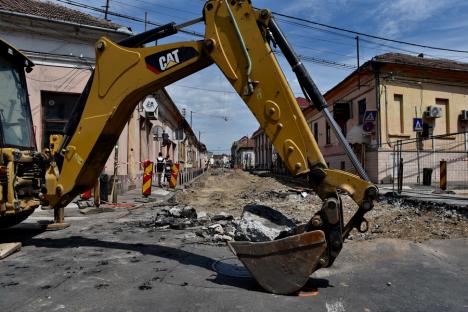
{"points": [[116, 166], [199, 156], [106, 8], [131, 148], [358, 62], [146, 19]]}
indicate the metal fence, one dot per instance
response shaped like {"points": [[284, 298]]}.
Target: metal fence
{"points": [[188, 174], [418, 161]]}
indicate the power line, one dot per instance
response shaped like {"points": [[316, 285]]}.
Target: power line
{"points": [[368, 35], [353, 38], [170, 8], [120, 3], [132, 18]]}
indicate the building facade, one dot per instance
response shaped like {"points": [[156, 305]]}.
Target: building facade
{"points": [[243, 153], [264, 150], [383, 101], [60, 41]]}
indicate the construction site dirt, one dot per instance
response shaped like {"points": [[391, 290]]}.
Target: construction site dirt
{"points": [[228, 191]]}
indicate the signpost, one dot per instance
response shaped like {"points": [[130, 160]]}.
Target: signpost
{"points": [[417, 124], [370, 117]]}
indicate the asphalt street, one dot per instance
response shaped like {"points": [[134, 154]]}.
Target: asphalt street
{"points": [[115, 261]]}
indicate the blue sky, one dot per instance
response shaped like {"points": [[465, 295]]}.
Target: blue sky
{"points": [[442, 23]]}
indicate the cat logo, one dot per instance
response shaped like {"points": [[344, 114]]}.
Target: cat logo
{"points": [[167, 59], [171, 59]]}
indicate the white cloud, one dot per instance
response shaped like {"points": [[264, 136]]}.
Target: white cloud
{"points": [[315, 9], [401, 15]]}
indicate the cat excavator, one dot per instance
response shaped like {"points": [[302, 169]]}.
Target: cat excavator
{"points": [[239, 39]]}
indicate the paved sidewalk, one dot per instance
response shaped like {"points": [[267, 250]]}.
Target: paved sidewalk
{"points": [[455, 198]]}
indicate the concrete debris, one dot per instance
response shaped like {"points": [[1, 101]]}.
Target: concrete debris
{"points": [[203, 218], [222, 216], [216, 229], [222, 238], [203, 215], [260, 223], [183, 217], [213, 210], [183, 212]]}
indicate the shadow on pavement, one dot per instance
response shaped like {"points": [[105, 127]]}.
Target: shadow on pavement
{"points": [[21, 232], [182, 256]]}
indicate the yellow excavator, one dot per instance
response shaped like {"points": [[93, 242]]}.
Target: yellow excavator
{"points": [[238, 39]]}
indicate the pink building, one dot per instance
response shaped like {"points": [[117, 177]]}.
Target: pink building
{"points": [[60, 41]]}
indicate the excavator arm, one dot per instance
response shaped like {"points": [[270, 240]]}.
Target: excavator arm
{"points": [[237, 39]]}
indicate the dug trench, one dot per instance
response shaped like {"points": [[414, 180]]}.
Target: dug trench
{"points": [[226, 205]]}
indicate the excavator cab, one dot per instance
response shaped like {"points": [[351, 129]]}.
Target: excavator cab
{"points": [[15, 112], [20, 176]]}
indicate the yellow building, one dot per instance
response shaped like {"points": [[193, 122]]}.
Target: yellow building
{"points": [[383, 101]]}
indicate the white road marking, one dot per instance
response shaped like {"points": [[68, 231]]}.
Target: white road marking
{"points": [[336, 306]]}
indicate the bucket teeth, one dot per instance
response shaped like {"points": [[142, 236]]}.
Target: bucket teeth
{"points": [[282, 266]]}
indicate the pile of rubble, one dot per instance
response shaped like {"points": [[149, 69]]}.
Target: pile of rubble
{"points": [[257, 223]]}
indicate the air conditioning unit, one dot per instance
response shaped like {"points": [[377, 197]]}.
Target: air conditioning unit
{"points": [[433, 112], [464, 115]]}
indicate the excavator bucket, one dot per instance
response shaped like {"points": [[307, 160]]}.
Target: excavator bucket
{"points": [[282, 266]]}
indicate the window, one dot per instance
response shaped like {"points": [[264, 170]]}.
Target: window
{"points": [[15, 114], [342, 113], [362, 110], [343, 165], [57, 109], [316, 131], [442, 124], [327, 134], [398, 108], [343, 127]]}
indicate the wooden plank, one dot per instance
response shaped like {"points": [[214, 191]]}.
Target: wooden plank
{"points": [[7, 249]]}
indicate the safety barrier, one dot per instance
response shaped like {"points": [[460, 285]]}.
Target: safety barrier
{"points": [[426, 161], [147, 178], [188, 174]]}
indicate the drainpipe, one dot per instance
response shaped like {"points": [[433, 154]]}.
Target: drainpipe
{"points": [[377, 99]]}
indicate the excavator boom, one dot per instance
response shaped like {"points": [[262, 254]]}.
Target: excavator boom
{"points": [[237, 39]]}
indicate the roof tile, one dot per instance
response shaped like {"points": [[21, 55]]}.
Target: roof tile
{"points": [[55, 12], [405, 59]]}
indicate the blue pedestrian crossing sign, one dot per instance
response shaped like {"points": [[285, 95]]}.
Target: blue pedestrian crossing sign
{"points": [[370, 116], [417, 124]]}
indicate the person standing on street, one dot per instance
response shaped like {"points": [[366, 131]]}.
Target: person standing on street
{"points": [[159, 168], [167, 169]]}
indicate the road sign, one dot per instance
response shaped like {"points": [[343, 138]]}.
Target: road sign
{"points": [[370, 116], [150, 105], [417, 124]]}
